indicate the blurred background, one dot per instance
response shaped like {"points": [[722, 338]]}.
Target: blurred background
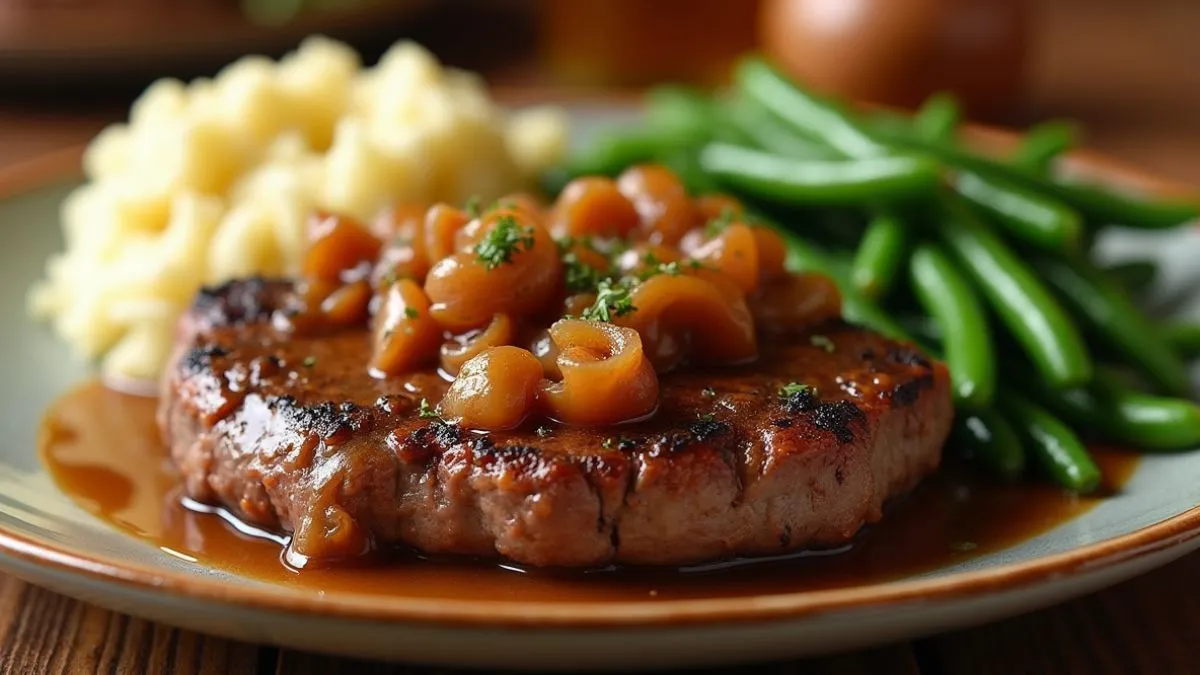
{"points": [[1126, 69]]}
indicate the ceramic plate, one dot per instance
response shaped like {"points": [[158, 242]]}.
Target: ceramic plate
{"points": [[48, 540]]}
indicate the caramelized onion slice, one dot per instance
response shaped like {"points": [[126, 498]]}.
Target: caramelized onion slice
{"points": [[461, 348], [796, 302], [495, 390], [606, 378], [734, 253], [644, 258], [593, 206], [406, 335], [347, 305], [466, 292], [682, 315], [441, 227], [337, 244], [661, 200], [772, 253]]}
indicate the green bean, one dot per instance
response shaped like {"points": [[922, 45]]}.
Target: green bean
{"points": [[1113, 208], [966, 339], [819, 182], [766, 131], [813, 115], [1124, 415], [1036, 218], [686, 165], [1027, 215], [1107, 311], [1027, 309], [987, 438], [680, 113], [822, 119], [1052, 444], [1094, 203], [937, 117], [1184, 338], [880, 254], [1043, 144], [921, 326], [1135, 276], [613, 151]]}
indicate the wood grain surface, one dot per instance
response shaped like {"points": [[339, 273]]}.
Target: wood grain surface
{"points": [[1129, 70]]}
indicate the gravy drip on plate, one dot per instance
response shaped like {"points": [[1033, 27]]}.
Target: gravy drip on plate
{"points": [[103, 449]]}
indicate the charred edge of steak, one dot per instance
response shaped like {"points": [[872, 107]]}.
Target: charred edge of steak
{"points": [[837, 417], [240, 301], [200, 358], [908, 355], [907, 393]]}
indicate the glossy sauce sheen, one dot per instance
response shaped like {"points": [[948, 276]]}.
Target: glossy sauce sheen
{"points": [[103, 449]]}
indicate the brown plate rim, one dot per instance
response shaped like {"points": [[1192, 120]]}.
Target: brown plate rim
{"points": [[1166, 534]]}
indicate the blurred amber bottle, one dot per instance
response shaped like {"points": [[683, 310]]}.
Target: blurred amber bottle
{"points": [[641, 42]]}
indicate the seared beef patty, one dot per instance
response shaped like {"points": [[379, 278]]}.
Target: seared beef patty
{"points": [[291, 432]]}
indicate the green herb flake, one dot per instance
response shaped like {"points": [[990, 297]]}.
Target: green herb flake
{"points": [[505, 240], [613, 299], [670, 269], [719, 224], [793, 388], [543, 432], [579, 277], [426, 411], [473, 207], [609, 443], [822, 342], [309, 361], [411, 313], [707, 417]]}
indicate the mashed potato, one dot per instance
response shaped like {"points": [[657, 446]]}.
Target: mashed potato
{"points": [[215, 179]]}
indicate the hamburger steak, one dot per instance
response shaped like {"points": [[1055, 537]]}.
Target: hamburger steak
{"points": [[290, 432]]}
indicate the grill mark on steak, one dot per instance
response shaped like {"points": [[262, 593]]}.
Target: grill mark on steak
{"points": [[741, 472], [839, 418]]}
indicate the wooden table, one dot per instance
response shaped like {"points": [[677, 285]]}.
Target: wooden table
{"points": [[1130, 70]]}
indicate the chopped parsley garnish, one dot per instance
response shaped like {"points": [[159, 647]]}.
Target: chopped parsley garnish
{"points": [[426, 411], [309, 361], [707, 417], [390, 277], [822, 342], [543, 432], [578, 275], [793, 388], [505, 240], [651, 260], [612, 300], [718, 225], [708, 392], [473, 207], [608, 443], [671, 269], [411, 312]]}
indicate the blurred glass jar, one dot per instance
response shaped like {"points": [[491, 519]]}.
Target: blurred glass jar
{"points": [[642, 42]]}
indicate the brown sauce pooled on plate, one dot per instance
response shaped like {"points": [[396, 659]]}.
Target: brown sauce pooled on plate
{"points": [[103, 449]]}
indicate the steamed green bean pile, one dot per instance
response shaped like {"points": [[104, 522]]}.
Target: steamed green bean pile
{"points": [[982, 260]]}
